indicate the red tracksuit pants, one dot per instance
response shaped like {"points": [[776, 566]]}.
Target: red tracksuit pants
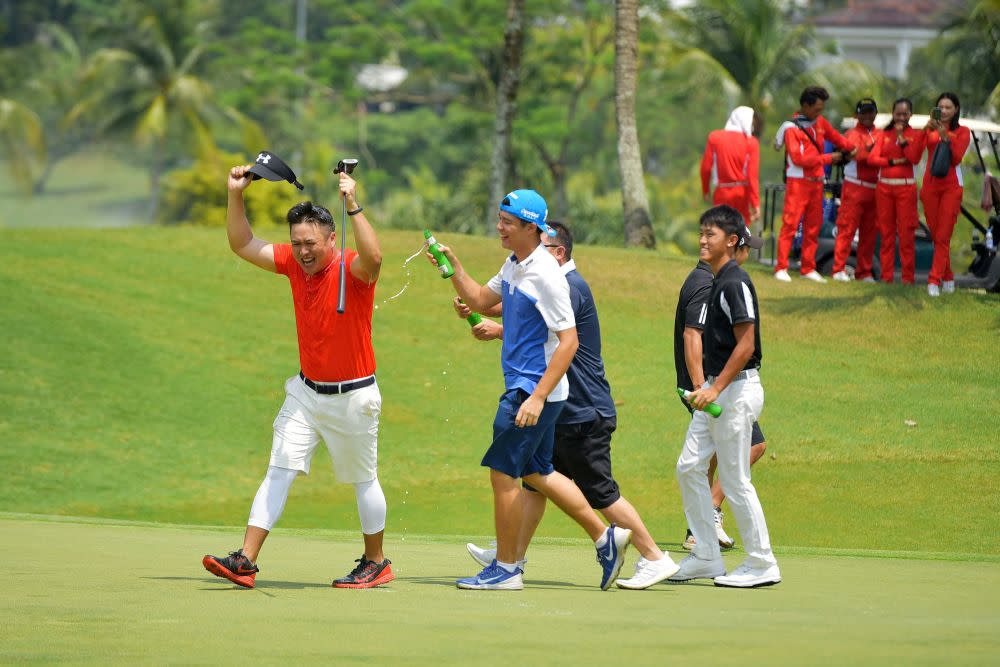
{"points": [[737, 196], [941, 208], [857, 214], [803, 201], [897, 217]]}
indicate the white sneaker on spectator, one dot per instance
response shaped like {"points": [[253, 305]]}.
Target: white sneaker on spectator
{"points": [[842, 277], [746, 576], [814, 276], [693, 567], [868, 279], [783, 276], [933, 290], [725, 541], [649, 572], [948, 286], [486, 556]]}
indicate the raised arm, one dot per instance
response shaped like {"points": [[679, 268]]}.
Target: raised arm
{"points": [[369, 262], [241, 239], [479, 298]]}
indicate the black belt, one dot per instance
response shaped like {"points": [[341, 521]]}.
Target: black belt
{"points": [[337, 387]]}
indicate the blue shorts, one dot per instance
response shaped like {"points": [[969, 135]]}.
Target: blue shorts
{"points": [[518, 452]]}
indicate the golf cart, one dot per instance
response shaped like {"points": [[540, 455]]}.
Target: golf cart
{"points": [[983, 272]]}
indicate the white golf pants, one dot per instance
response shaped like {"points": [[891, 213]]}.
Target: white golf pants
{"points": [[728, 437]]}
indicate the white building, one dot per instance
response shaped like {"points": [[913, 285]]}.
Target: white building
{"points": [[882, 33]]}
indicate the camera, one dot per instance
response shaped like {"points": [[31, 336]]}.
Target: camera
{"points": [[936, 113]]}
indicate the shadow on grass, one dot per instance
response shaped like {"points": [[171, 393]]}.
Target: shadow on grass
{"points": [[899, 297], [224, 585]]}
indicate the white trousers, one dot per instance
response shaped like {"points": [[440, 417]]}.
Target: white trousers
{"points": [[728, 437]]}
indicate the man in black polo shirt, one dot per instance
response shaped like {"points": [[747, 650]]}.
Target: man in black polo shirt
{"points": [[688, 327], [582, 449], [732, 357]]}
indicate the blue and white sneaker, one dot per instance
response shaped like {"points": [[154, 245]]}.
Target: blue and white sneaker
{"points": [[611, 556], [493, 578]]}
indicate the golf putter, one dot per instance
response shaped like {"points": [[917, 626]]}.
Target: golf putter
{"points": [[347, 166]]}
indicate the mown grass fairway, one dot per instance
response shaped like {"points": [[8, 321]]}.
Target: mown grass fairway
{"points": [[127, 594], [141, 370]]}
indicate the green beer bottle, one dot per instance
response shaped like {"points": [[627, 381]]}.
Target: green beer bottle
{"points": [[713, 409], [474, 318], [443, 265]]}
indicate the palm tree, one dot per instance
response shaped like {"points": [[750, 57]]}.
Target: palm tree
{"points": [[150, 83], [510, 79], [22, 142], [638, 225]]}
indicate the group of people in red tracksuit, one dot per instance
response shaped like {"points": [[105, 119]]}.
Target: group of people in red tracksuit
{"points": [[879, 193]]}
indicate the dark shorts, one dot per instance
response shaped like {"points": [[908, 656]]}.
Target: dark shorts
{"points": [[583, 453], [522, 451], [756, 436]]}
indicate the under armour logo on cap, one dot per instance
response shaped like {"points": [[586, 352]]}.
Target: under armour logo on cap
{"points": [[272, 168]]}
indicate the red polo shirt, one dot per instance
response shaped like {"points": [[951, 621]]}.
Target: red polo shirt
{"points": [[332, 347]]}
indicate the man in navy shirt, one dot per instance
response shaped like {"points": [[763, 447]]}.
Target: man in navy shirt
{"points": [[583, 430], [538, 347], [732, 355]]}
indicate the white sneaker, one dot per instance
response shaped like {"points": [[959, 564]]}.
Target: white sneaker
{"points": [[842, 277], [725, 541], [814, 276], [933, 290], [649, 572], [868, 279], [746, 576], [783, 276], [948, 286], [486, 556], [693, 567]]}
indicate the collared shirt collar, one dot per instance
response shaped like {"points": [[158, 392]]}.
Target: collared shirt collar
{"points": [[568, 266], [530, 259]]}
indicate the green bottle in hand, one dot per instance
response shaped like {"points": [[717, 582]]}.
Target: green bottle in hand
{"points": [[443, 265], [713, 409]]}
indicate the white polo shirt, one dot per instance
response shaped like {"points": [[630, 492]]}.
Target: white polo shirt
{"points": [[536, 305]]}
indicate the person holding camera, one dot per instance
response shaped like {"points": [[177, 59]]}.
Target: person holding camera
{"points": [[941, 193], [732, 160], [857, 199], [895, 153], [803, 138], [334, 397]]}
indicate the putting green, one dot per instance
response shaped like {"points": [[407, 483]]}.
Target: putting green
{"points": [[95, 592]]}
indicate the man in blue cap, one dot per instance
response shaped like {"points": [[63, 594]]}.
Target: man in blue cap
{"points": [[539, 343]]}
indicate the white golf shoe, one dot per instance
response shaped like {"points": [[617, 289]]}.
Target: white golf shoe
{"points": [[486, 556], [948, 287], [814, 276], [868, 279], [933, 290], [693, 567], [783, 276], [842, 277], [725, 541], [746, 576], [649, 572]]}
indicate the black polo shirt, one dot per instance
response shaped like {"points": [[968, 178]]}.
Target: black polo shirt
{"points": [[691, 306], [733, 301]]}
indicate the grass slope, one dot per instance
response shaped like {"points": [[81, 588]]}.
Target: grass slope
{"points": [[141, 370], [121, 594]]}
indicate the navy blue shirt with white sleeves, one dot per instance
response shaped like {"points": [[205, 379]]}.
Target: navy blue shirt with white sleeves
{"points": [[589, 392], [733, 301]]}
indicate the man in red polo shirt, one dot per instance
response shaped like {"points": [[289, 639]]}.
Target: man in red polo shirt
{"points": [[334, 397], [803, 138]]}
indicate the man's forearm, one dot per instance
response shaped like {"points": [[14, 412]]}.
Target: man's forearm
{"points": [[237, 226], [693, 353], [737, 361], [562, 356]]}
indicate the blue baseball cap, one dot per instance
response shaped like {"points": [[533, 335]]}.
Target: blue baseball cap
{"points": [[529, 206]]}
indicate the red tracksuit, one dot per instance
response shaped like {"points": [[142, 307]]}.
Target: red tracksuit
{"points": [[942, 200], [735, 158], [896, 198], [857, 205], [804, 189]]}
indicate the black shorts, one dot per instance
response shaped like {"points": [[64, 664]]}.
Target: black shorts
{"points": [[756, 436], [582, 452]]}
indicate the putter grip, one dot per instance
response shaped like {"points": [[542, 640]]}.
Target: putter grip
{"points": [[341, 293]]}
